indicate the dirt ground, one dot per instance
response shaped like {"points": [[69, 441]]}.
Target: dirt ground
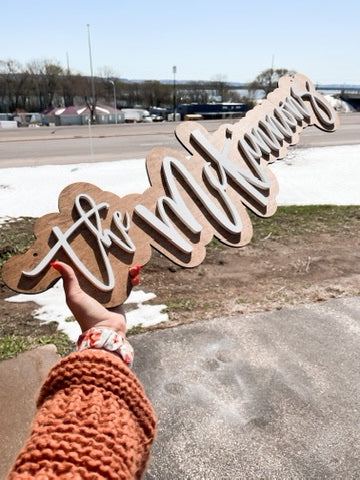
{"points": [[271, 273]]}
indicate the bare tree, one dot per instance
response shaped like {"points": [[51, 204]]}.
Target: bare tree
{"points": [[220, 88], [268, 79], [45, 77], [193, 92], [13, 88], [154, 94], [106, 72]]}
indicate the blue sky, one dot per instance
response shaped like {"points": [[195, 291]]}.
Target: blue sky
{"points": [[232, 39]]}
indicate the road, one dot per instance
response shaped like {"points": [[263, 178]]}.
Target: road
{"points": [[77, 144]]}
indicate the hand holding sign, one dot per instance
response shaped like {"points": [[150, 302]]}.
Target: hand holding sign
{"points": [[88, 312]]}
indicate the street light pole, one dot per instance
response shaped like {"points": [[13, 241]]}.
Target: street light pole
{"points": [[174, 92], [92, 76], [113, 84]]}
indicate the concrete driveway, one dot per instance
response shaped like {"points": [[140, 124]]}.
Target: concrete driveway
{"points": [[262, 396]]}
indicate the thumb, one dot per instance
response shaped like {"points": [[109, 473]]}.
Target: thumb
{"points": [[79, 302], [87, 311], [70, 282]]}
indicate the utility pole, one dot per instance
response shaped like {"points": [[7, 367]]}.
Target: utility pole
{"points": [[113, 84], [174, 91], [67, 63], [93, 107]]}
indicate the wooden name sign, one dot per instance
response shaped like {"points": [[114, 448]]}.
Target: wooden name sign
{"points": [[191, 199]]}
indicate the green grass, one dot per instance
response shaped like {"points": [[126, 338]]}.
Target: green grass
{"points": [[290, 221], [240, 301], [15, 237], [295, 220], [134, 330], [12, 345], [183, 303]]}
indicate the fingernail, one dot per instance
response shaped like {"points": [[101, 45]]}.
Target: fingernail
{"points": [[56, 265], [135, 281], [133, 271]]}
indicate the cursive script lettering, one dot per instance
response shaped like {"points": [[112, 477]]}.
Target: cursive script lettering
{"points": [[104, 240], [177, 204]]}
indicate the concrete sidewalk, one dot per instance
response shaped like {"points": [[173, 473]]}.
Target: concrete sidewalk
{"points": [[263, 396], [20, 380]]}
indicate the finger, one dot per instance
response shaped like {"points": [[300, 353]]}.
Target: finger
{"points": [[71, 284], [135, 270], [135, 281]]}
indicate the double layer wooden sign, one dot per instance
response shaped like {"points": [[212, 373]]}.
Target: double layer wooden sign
{"points": [[191, 199]]}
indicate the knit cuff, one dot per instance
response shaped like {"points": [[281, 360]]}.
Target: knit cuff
{"points": [[96, 368], [106, 339]]}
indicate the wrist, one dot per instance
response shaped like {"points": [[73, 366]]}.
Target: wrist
{"points": [[105, 338], [118, 326]]}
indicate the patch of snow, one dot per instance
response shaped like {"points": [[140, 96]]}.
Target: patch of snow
{"points": [[315, 176], [53, 308], [24, 198]]}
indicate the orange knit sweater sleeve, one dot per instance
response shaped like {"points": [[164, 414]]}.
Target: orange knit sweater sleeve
{"points": [[93, 422]]}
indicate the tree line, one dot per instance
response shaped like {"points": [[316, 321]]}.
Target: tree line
{"points": [[43, 84]]}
